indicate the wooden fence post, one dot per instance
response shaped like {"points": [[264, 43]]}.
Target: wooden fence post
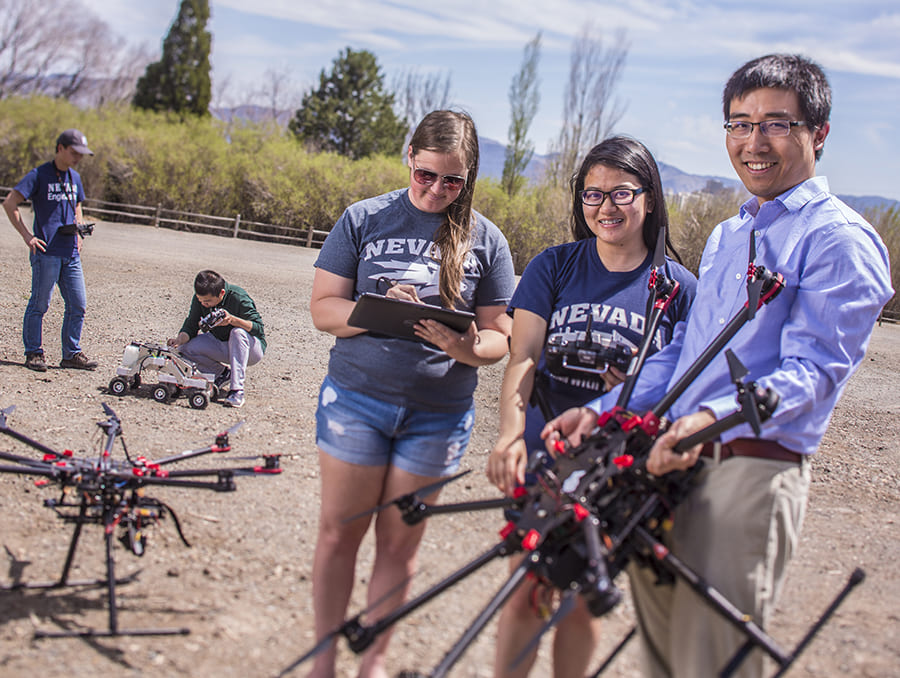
{"points": [[309, 236], [237, 223], [156, 216]]}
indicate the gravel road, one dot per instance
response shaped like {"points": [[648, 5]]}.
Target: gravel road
{"points": [[243, 588]]}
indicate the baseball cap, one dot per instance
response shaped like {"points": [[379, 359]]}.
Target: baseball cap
{"points": [[75, 139]]}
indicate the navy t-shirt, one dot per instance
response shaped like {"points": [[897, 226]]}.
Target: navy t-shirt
{"points": [[54, 195], [566, 283], [388, 237]]}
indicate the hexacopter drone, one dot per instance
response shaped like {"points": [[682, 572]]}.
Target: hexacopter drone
{"points": [[109, 492]]}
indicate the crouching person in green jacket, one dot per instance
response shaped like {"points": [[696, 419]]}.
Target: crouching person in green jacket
{"points": [[223, 333]]}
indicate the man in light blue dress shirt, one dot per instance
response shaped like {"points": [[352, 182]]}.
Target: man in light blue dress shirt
{"points": [[740, 525]]}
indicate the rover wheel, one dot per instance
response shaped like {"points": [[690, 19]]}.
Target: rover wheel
{"points": [[160, 393], [118, 386], [199, 400], [214, 393]]}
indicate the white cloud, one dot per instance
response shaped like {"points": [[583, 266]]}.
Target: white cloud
{"points": [[681, 53]]}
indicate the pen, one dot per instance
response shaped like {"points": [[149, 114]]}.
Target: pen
{"points": [[387, 282]]}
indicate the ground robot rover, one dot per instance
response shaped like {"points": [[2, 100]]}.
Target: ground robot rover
{"points": [[175, 375]]}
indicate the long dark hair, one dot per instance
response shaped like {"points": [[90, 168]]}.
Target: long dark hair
{"points": [[629, 155], [452, 132]]}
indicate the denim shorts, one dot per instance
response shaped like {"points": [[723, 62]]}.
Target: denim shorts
{"points": [[359, 429]]}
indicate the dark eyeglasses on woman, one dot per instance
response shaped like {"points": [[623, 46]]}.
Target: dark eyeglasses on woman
{"points": [[427, 177], [618, 196]]}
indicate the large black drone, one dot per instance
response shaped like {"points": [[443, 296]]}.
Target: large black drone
{"points": [[595, 508], [110, 492]]}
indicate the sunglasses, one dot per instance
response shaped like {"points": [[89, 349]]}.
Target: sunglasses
{"points": [[427, 177]]}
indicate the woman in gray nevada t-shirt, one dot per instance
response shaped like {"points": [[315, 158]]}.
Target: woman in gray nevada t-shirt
{"points": [[395, 414]]}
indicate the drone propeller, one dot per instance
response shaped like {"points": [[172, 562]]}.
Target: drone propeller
{"points": [[109, 411], [659, 254], [755, 283], [421, 493], [222, 439], [220, 445], [112, 428], [756, 404], [253, 457], [746, 396], [659, 260], [735, 367]]}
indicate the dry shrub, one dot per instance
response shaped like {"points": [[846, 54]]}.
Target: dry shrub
{"points": [[693, 216]]}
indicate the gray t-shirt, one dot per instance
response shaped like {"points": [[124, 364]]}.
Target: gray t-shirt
{"points": [[388, 237]]}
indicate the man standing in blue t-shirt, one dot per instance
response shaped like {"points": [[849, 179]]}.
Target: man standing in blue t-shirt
{"points": [[56, 194]]}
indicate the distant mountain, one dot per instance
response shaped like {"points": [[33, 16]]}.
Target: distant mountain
{"points": [[493, 155], [863, 202], [674, 180]]}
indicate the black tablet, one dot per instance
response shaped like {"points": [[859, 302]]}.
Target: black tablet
{"points": [[396, 317]]}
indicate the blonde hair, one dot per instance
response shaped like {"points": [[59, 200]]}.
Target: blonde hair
{"points": [[452, 132]]}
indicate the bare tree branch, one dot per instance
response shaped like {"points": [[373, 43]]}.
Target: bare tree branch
{"points": [[279, 91], [590, 109], [417, 94], [59, 48]]}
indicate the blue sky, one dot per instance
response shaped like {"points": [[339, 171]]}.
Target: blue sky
{"points": [[681, 52]]}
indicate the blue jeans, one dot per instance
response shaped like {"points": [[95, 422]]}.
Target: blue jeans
{"points": [[47, 271], [359, 429]]}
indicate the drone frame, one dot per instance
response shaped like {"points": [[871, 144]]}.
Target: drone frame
{"points": [[111, 495]]}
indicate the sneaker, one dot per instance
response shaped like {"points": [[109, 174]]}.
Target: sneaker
{"points": [[79, 361], [235, 399], [223, 378], [35, 361]]}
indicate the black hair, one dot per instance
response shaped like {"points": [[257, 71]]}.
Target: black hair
{"points": [[629, 155], [791, 72], [208, 284]]}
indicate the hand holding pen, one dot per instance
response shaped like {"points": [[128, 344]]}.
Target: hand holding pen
{"points": [[397, 290]]}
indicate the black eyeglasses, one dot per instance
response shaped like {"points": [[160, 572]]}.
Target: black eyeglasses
{"points": [[427, 177], [618, 196], [741, 129]]}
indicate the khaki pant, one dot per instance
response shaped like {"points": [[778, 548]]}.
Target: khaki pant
{"points": [[738, 530]]}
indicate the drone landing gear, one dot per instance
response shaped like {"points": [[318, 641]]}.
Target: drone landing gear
{"points": [[756, 637], [110, 582]]}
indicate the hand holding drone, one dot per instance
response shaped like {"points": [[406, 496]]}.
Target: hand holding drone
{"points": [[111, 492]]}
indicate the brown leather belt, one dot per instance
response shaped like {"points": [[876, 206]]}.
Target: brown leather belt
{"points": [[749, 447]]}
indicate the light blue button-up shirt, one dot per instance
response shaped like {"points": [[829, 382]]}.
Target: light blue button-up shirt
{"points": [[806, 343]]}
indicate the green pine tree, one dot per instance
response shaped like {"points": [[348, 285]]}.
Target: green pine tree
{"points": [[350, 113], [180, 81]]}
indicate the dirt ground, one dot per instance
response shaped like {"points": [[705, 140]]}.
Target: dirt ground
{"points": [[243, 588]]}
